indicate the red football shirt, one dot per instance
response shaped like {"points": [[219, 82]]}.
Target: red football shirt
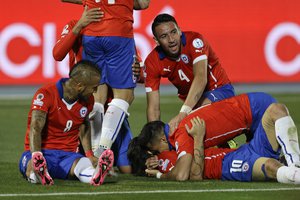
{"points": [[212, 162], [61, 130], [194, 48], [117, 20], [224, 120]]}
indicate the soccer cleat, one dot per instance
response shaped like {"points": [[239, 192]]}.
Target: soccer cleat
{"points": [[40, 168], [105, 164]]}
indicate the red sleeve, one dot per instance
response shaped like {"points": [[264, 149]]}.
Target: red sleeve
{"points": [[166, 161], [199, 47], [183, 142], [41, 100], [66, 42], [152, 76]]}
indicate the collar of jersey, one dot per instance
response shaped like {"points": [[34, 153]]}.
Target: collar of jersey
{"points": [[59, 86], [161, 53], [166, 132]]}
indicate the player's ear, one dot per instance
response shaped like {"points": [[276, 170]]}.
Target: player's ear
{"points": [[156, 41]]}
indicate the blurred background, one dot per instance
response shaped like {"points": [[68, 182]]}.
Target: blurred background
{"points": [[258, 42]]}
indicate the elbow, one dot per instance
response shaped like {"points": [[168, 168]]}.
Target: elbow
{"points": [[182, 177], [56, 55]]}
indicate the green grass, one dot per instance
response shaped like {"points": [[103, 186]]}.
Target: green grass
{"points": [[13, 119]]}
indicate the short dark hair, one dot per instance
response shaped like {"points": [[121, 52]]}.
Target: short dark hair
{"points": [[162, 18], [138, 151], [84, 70]]}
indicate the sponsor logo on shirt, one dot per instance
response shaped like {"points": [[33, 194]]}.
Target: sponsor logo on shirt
{"points": [[83, 112], [198, 43], [167, 69], [184, 58]]}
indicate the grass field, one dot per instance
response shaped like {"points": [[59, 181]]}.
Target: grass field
{"points": [[13, 118]]}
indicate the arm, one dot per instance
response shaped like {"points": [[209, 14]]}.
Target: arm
{"points": [[153, 106], [141, 4], [180, 172], [195, 92], [198, 84], [68, 38], [38, 120], [72, 1], [85, 138], [197, 132]]}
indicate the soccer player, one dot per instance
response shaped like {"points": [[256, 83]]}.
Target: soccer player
{"points": [[189, 62], [70, 44], [110, 44], [257, 112], [57, 118]]}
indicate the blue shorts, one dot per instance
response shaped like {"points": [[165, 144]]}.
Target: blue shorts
{"points": [[218, 94], [114, 56], [259, 102], [120, 146], [238, 165], [59, 162]]}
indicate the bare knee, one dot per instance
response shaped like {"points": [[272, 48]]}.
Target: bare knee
{"points": [[277, 111]]}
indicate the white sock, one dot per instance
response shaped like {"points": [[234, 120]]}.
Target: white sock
{"points": [[288, 175], [96, 120], [33, 178], [113, 120], [84, 170], [287, 137]]}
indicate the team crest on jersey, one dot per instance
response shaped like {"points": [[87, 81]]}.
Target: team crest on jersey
{"points": [[83, 111], [184, 58], [245, 167], [198, 43], [38, 101]]}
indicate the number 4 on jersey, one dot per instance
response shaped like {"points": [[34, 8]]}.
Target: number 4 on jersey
{"points": [[182, 76]]}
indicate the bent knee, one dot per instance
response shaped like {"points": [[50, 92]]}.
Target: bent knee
{"points": [[277, 110]]}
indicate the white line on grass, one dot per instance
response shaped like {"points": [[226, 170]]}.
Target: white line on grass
{"points": [[148, 192]]}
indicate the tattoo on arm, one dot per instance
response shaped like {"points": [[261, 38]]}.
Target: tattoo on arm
{"points": [[198, 161], [38, 120]]}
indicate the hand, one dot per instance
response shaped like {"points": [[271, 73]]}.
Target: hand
{"points": [[88, 16], [136, 69], [198, 127], [152, 162], [175, 121], [151, 172]]}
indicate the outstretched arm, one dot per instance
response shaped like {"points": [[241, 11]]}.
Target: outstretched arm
{"points": [[197, 132], [153, 106]]}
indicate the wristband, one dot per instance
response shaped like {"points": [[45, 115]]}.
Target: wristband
{"points": [[185, 109], [89, 153], [158, 175]]}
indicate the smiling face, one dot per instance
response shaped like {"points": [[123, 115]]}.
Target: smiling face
{"points": [[168, 36]]}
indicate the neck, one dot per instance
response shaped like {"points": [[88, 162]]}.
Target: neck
{"points": [[68, 91]]}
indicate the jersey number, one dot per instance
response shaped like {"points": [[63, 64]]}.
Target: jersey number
{"points": [[182, 76], [109, 1], [236, 166], [68, 125]]}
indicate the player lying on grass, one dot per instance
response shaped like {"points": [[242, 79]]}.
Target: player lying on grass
{"points": [[257, 160], [57, 118]]}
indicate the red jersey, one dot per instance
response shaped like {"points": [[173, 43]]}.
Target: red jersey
{"points": [[117, 20], [224, 120], [69, 43], [212, 162], [194, 48], [63, 120]]}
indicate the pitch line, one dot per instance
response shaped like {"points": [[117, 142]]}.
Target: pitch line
{"points": [[148, 192]]}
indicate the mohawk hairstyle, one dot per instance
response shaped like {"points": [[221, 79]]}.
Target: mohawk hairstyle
{"points": [[84, 66]]}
